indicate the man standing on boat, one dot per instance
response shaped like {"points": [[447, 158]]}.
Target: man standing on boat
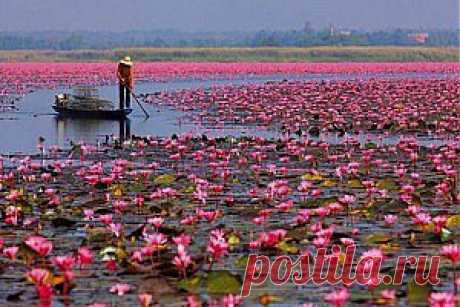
{"points": [[125, 80]]}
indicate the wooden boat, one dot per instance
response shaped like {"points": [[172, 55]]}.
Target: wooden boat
{"points": [[104, 114], [85, 103]]}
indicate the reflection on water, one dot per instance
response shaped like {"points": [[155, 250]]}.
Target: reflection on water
{"points": [[91, 130]]}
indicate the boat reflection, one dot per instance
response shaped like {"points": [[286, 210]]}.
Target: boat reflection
{"points": [[89, 129]]}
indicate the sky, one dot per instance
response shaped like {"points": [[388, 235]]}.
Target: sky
{"points": [[224, 15]]}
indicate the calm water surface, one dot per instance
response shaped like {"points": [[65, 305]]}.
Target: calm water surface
{"points": [[35, 117]]}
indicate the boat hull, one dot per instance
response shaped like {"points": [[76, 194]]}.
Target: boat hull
{"points": [[103, 114]]}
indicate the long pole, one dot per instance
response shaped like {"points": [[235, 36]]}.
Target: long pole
{"points": [[147, 115]]}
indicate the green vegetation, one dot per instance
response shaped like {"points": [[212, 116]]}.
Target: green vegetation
{"points": [[265, 54]]}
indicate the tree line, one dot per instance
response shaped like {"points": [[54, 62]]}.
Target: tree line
{"points": [[169, 38]]}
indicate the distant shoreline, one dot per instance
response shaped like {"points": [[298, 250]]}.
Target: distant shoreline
{"points": [[229, 54]]}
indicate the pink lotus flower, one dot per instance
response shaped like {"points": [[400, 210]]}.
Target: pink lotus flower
{"points": [[120, 289], [231, 300], [217, 245], [285, 206], [44, 292], [106, 219], [337, 298], [182, 260], [84, 256], [156, 240], [192, 301], [439, 222], [12, 215], [156, 221], [40, 245], [145, 299], [347, 199], [347, 241], [136, 257], [183, 239], [422, 219], [89, 214], [388, 295], [13, 196], [139, 201], [116, 229], [390, 219], [413, 210], [64, 263], [11, 252], [442, 299], [451, 252], [46, 177], [38, 276], [120, 205], [54, 201]]}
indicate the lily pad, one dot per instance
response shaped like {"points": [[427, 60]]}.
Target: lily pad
{"points": [[191, 285], [311, 177], [417, 294], [328, 183], [242, 262], [164, 179], [387, 184], [377, 238], [355, 184], [233, 239], [287, 248], [453, 221], [222, 282]]}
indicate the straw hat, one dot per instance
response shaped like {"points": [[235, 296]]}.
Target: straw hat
{"points": [[126, 61]]}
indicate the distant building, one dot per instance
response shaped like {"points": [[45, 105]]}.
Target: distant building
{"points": [[307, 28], [344, 33], [420, 37], [333, 32]]}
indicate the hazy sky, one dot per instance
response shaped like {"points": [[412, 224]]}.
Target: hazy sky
{"points": [[223, 15]]}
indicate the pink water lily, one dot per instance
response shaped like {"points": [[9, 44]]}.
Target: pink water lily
{"points": [[442, 299], [182, 260], [40, 245], [38, 276], [350, 158], [85, 256], [120, 289], [337, 298], [11, 252], [145, 299]]}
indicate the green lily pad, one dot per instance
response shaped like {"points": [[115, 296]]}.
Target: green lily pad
{"points": [[378, 238], [328, 183], [189, 190], [222, 282], [453, 221], [417, 294], [191, 285], [311, 177], [242, 262], [355, 184], [287, 248], [387, 184], [233, 239], [164, 179]]}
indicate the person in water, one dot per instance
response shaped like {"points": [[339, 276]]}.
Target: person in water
{"points": [[126, 81]]}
